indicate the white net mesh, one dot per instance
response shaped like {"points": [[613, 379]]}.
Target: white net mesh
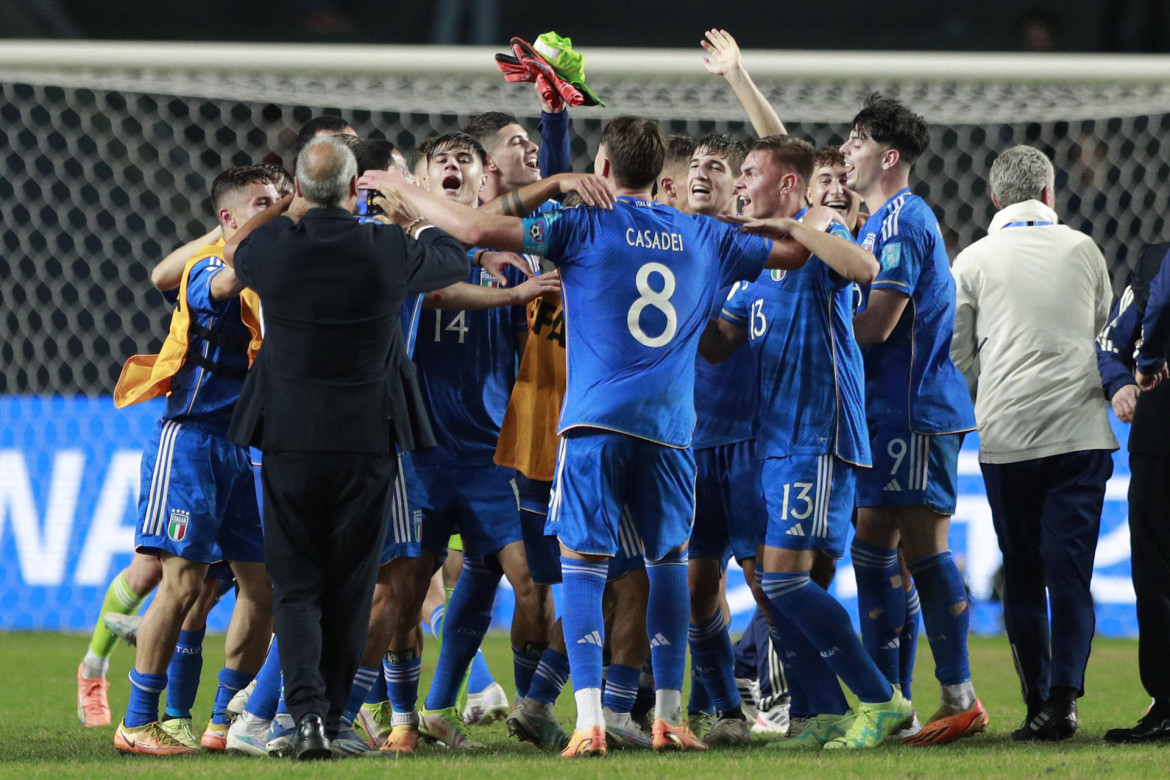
{"points": [[104, 171]]}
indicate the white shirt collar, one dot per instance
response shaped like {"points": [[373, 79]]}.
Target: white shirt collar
{"points": [[1024, 211]]}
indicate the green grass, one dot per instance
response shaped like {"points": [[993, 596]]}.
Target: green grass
{"points": [[40, 735]]}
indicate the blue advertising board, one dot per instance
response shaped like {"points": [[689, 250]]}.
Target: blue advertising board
{"points": [[69, 477]]}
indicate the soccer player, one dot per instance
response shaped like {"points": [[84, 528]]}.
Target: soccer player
{"points": [[729, 517], [671, 186], [811, 441], [918, 410], [638, 281], [213, 333], [467, 364]]}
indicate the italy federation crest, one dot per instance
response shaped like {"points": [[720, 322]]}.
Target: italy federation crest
{"points": [[177, 525]]}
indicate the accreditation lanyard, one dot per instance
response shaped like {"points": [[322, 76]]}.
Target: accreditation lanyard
{"points": [[1029, 223]]}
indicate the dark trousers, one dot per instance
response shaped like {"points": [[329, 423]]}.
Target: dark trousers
{"points": [[324, 522], [1047, 515], [1149, 537], [755, 659]]}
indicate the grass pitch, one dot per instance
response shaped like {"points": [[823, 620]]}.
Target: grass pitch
{"points": [[41, 737]]}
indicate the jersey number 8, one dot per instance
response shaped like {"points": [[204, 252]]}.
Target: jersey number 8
{"points": [[659, 299]]}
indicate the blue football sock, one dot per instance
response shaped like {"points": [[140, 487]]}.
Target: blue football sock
{"points": [[363, 680], [714, 659], [281, 704], [812, 686], [583, 583], [908, 651], [378, 692], [700, 700], [401, 670], [941, 589], [667, 616], [230, 683], [437, 615], [469, 613], [826, 625], [524, 663], [145, 690], [479, 676], [183, 673], [266, 695], [621, 687], [881, 604], [552, 673]]}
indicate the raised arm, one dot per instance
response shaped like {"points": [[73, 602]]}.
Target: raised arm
{"points": [[471, 297], [725, 61], [594, 191], [471, 226], [842, 255], [169, 272], [267, 215]]}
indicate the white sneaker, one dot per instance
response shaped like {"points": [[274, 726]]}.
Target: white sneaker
{"points": [[125, 627], [240, 701], [487, 706], [248, 735], [909, 731], [773, 721], [748, 696]]}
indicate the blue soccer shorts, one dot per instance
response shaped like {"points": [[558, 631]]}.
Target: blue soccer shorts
{"points": [[809, 499], [729, 510], [544, 552], [911, 469], [478, 501], [408, 507], [600, 474], [198, 497]]}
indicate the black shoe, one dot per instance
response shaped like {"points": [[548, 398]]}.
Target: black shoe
{"points": [[310, 742], [1054, 722], [1154, 727]]}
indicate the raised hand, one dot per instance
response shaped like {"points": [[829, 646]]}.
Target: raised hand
{"points": [[725, 58], [594, 190], [495, 263]]}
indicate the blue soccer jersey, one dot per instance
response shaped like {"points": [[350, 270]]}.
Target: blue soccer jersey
{"points": [[467, 363], [910, 379], [725, 393], [207, 385], [800, 329], [638, 283]]}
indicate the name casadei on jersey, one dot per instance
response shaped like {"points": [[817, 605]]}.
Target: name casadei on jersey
{"points": [[651, 239]]}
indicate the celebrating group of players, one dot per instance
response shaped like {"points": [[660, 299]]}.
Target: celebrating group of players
{"points": [[602, 425]]}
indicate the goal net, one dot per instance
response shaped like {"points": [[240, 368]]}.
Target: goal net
{"points": [[109, 150]]}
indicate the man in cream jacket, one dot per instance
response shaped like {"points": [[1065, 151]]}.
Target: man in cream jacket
{"points": [[1032, 296]]}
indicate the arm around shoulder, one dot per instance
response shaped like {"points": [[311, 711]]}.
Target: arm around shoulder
{"points": [[434, 260]]}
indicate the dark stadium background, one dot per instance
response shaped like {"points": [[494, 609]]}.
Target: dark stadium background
{"points": [[991, 25]]}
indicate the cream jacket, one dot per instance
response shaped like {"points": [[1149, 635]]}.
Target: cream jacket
{"points": [[1031, 300]]}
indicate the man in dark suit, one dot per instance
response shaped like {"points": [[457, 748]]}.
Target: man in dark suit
{"points": [[330, 394], [1139, 318]]}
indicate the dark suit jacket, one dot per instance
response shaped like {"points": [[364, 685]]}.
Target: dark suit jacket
{"points": [[333, 374]]}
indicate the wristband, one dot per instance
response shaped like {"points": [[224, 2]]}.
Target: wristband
{"points": [[475, 258], [414, 223]]}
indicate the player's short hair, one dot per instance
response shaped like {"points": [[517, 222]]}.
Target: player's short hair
{"points": [[484, 127], [789, 154], [457, 141], [374, 154], [888, 121], [423, 150], [325, 178], [732, 149], [679, 150], [1020, 173], [636, 149], [828, 156], [327, 123], [235, 179], [278, 177]]}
